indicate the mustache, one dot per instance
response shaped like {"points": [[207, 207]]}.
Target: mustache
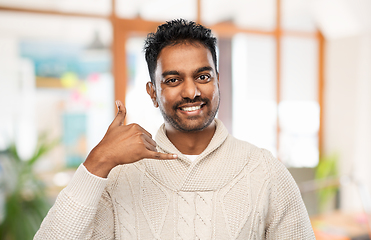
{"points": [[188, 100]]}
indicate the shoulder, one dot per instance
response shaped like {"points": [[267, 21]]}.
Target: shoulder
{"points": [[282, 185], [240, 147], [258, 158], [248, 150], [263, 168], [276, 169]]}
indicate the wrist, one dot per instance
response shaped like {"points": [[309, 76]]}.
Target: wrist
{"points": [[98, 164]]}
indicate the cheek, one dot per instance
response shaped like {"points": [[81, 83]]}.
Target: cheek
{"points": [[160, 95], [168, 96], [215, 92]]}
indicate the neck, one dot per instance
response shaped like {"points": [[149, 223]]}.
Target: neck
{"points": [[190, 143]]}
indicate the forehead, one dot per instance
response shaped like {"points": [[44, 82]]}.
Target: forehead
{"points": [[184, 56]]}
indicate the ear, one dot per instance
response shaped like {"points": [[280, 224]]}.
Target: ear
{"points": [[151, 90]]}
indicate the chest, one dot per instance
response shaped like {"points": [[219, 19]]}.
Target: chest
{"points": [[146, 209]]}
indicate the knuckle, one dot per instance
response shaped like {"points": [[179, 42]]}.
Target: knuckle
{"points": [[135, 128], [135, 125], [131, 125], [138, 135]]}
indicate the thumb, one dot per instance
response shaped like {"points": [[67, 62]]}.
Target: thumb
{"points": [[121, 113]]}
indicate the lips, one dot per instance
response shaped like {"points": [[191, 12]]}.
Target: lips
{"points": [[190, 105]]}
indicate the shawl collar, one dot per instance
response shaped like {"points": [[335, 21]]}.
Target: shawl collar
{"points": [[174, 173], [163, 142]]}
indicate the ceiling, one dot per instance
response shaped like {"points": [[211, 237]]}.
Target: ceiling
{"points": [[334, 18]]}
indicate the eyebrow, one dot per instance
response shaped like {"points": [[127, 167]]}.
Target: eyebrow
{"points": [[206, 68], [174, 72]]}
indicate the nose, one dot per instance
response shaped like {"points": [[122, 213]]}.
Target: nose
{"points": [[190, 89]]}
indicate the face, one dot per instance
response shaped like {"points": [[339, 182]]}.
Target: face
{"points": [[187, 87]]}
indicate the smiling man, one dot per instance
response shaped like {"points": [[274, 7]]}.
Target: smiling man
{"points": [[196, 181]]}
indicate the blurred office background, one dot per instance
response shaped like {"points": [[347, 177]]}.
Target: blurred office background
{"points": [[295, 78]]}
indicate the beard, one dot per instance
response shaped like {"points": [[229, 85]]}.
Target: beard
{"points": [[193, 124]]}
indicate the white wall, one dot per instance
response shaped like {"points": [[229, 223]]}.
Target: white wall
{"points": [[347, 119], [346, 25], [8, 88]]}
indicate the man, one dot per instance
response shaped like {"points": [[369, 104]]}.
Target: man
{"points": [[196, 181]]}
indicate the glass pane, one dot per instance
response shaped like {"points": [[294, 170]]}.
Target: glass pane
{"points": [[100, 7], [299, 123], [157, 10], [9, 89], [216, 11], [82, 89], [299, 109], [254, 105], [256, 14], [297, 15], [138, 103], [61, 67], [299, 69]]}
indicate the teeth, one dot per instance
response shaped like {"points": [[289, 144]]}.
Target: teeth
{"points": [[189, 109]]}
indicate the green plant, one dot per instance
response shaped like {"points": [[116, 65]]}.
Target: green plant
{"points": [[25, 198], [327, 170]]}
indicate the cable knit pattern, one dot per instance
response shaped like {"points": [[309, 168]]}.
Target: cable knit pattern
{"points": [[125, 208], [195, 213], [235, 208], [154, 203], [204, 211], [233, 190], [187, 210]]}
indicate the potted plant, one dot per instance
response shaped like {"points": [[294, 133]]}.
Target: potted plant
{"points": [[24, 197], [327, 171]]}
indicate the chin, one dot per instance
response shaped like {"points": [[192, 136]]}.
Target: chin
{"points": [[191, 127]]}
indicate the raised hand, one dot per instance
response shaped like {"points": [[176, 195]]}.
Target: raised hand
{"points": [[122, 144]]}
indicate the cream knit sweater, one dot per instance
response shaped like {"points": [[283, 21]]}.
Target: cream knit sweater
{"points": [[233, 190]]}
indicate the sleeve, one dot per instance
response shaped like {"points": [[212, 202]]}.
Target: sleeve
{"points": [[83, 210], [288, 217]]}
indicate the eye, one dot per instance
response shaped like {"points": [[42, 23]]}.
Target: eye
{"points": [[204, 78], [172, 81]]}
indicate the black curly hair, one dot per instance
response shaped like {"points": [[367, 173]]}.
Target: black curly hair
{"points": [[174, 32]]}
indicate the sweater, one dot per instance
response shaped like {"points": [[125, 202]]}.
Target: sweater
{"points": [[233, 190]]}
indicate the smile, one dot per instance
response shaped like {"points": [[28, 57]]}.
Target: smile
{"points": [[190, 109]]}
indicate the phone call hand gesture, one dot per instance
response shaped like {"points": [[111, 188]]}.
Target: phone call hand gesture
{"points": [[122, 144]]}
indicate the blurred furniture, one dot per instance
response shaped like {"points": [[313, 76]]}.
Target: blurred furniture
{"points": [[340, 225]]}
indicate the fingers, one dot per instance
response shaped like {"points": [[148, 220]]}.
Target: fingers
{"points": [[121, 113], [145, 132], [152, 150], [164, 156], [150, 145], [148, 137]]}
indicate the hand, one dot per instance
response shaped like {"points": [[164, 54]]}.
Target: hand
{"points": [[122, 144]]}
